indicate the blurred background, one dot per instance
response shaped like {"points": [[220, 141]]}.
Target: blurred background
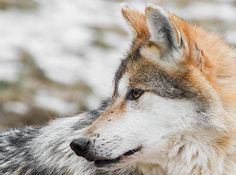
{"points": [[58, 57]]}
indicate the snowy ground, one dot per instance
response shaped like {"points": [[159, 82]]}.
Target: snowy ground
{"points": [[60, 57]]}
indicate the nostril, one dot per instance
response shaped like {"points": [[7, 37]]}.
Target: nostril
{"points": [[80, 146]]}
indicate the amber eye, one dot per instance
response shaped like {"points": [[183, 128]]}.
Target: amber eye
{"points": [[134, 94]]}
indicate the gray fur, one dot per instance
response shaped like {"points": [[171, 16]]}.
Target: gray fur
{"points": [[164, 34], [46, 151]]}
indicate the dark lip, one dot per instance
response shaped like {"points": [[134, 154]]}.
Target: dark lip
{"points": [[106, 162]]}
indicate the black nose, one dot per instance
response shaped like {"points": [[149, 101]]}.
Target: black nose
{"points": [[80, 146]]}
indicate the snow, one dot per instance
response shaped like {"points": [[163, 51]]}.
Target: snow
{"points": [[47, 101], [9, 71], [209, 10], [59, 36], [16, 107], [231, 37]]}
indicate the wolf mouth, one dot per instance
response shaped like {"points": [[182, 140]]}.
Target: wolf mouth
{"points": [[105, 162]]}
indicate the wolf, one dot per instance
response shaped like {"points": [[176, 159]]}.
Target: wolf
{"points": [[172, 111]]}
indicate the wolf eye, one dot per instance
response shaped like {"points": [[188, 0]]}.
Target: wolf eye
{"points": [[134, 94]]}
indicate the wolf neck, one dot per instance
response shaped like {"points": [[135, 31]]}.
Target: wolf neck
{"points": [[193, 158]]}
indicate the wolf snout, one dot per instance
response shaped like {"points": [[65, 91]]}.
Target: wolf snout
{"points": [[80, 146]]}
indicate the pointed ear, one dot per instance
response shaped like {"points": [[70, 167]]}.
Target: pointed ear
{"points": [[163, 32], [136, 20]]}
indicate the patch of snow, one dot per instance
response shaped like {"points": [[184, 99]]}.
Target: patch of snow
{"points": [[16, 107], [208, 10], [9, 71], [231, 36], [47, 101]]}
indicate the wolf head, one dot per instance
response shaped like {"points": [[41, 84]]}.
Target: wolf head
{"points": [[165, 93]]}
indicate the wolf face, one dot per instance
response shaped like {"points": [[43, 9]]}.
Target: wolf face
{"points": [[165, 93]]}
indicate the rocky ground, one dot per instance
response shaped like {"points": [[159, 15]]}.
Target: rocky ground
{"points": [[57, 58]]}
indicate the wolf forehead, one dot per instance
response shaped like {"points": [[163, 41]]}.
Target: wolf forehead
{"points": [[141, 73], [145, 73], [163, 55]]}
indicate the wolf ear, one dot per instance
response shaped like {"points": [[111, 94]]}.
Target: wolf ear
{"points": [[136, 20], [163, 32]]}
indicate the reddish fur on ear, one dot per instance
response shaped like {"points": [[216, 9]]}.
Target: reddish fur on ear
{"points": [[207, 66], [200, 59], [137, 20]]}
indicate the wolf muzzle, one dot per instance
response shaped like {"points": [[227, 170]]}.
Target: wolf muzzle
{"points": [[80, 147]]}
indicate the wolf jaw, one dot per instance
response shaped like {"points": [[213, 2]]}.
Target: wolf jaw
{"points": [[185, 118], [107, 162]]}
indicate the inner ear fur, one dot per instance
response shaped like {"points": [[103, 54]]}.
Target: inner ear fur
{"points": [[137, 20], [165, 33]]}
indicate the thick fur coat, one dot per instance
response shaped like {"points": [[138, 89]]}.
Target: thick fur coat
{"points": [[172, 112]]}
